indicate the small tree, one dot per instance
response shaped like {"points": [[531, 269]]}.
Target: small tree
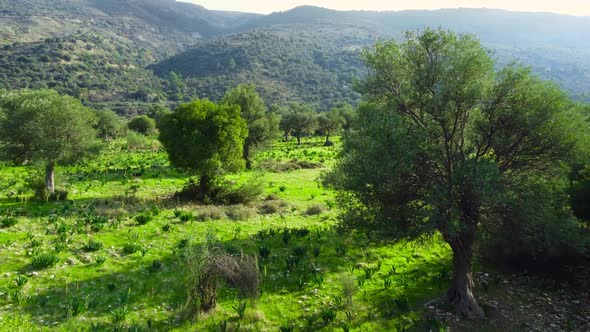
{"points": [[206, 139], [43, 126], [443, 141], [109, 124], [262, 126], [330, 123], [142, 124], [300, 120]]}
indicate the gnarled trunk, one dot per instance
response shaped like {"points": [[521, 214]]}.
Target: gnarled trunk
{"points": [[460, 293], [50, 177]]}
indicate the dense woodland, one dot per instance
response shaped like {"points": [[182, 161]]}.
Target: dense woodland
{"points": [[165, 167]]}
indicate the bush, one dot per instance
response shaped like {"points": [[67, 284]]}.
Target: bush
{"points": [[143, 218], [137, 141], [240, 212], [91, 246], [535, 228], [222, 192], [44, 261], [270, 207], [142, 124], [8, 222], [315, 210], [207, 265], [210, 213]]}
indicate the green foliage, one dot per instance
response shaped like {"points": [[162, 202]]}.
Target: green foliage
{"points": [[298, 120], [143, 218], [45, 126], [44, 260], [262, 125], [137, 141], [142, 124], [92, 245], [205, 139], [445, 140], [8, 222], [109, 124], [330, 123]]}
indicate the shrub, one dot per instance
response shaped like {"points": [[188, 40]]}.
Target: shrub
{"points": [[210, 213], [207, 264], [315, 210], [240, 212], [222, 192], [142, 124], [131, 248], [44, 261], [137, 141], [270, 207], [143, 218], [7, 222], [535, 228], [91, 246]]}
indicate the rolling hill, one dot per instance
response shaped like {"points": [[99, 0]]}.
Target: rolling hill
{"points": [[125, 50]]}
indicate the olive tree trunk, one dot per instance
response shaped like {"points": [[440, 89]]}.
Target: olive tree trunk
{"points": [[50, 177], [460, 293]]}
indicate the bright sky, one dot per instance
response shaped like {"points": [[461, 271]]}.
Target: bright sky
{"points": [[572, 7]]}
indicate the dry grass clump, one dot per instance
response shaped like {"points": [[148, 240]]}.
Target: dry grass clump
{"points": [[207, 265]]}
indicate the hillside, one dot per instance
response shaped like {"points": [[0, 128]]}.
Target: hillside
{"points": [[125, 49], [313, 64]]}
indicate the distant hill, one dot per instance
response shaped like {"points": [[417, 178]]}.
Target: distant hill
{"points": [[313, 64], [120, 53]]}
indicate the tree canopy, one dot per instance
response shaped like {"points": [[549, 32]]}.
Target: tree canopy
{"points": [[44, 126], [262, 125], [142, 124], [205, 138], [443, 141], [298, 120]]}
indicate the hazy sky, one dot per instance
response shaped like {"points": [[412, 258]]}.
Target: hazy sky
{"points": [[573, 7]]}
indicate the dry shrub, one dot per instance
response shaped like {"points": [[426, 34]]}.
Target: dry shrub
{"points": [[207, 265], [240, 212], [315, 210], [271, 207], [210, 213]]}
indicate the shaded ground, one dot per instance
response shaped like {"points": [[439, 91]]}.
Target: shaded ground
{"points": [[521, 302]]}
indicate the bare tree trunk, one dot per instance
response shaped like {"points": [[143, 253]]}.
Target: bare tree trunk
{"points": [[298, 139], [460, 292], [50, 177]]}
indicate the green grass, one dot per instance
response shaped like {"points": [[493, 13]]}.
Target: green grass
{"points": [[367, 287]]}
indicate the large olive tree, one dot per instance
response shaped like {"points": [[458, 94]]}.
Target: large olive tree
{"points": [[44, 126], [441, 141]]}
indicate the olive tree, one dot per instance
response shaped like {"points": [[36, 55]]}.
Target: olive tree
{"points": [[44, 126], [441, 142], [299, 120], [205, 139], [262, 125], [330, 123]]}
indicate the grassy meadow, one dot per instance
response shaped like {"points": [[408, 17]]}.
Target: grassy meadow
{"points": [[109, 258]]}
